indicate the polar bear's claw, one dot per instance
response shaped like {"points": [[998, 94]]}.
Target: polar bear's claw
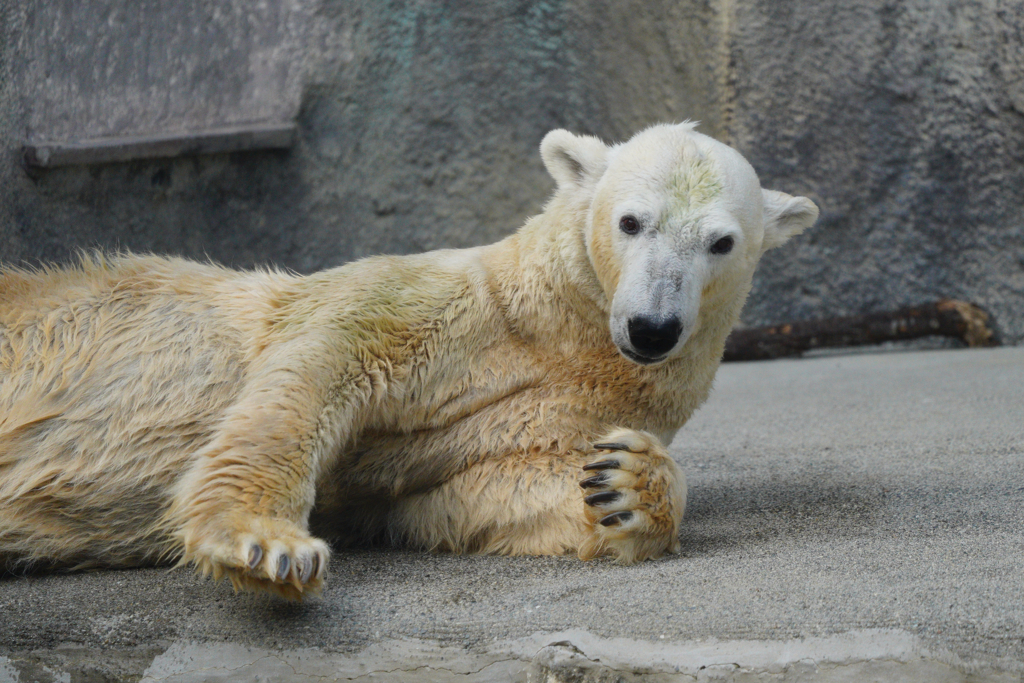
{"points": [[283, 565], [611, 447], [255, 555], [602, 497], [601, 465], [620, 517]]}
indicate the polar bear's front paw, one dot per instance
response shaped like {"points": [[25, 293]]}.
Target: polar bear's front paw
{"points": [[259, 554], [636, 496]]}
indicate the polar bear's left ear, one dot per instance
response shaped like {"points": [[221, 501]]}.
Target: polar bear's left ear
{"points": [[784, 217], [574, 161]]}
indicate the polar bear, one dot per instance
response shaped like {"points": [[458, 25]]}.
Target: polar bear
{"points": [[513, 398]]}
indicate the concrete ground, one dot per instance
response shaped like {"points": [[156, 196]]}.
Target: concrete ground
{"points": [[851, 518]]}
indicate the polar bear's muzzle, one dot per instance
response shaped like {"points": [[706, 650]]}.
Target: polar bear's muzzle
{"points": [[652, 338]]}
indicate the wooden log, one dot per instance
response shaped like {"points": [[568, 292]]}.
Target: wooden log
{"points": [[946, 318]]}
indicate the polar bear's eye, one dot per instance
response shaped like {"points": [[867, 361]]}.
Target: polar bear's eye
{"points": [[629, 225], [722, 246]]}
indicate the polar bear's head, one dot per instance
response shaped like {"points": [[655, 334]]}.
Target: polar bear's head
{"points": [[675, 223]]}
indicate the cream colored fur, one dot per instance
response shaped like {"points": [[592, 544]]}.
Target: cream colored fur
{"points": [[154, 409]]}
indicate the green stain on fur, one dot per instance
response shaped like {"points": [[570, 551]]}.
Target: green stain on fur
{"points": [[693, 185]]}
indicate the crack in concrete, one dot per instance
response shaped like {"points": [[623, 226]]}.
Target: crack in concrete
{"points": [[220, 668], [472, 672], [374, 672], [298, 673]]}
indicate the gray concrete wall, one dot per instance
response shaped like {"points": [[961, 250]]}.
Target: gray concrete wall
{"points": [[419, 124]]}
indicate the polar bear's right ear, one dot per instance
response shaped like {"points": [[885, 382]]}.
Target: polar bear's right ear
{"points": [[784, 217], [573, 160]]}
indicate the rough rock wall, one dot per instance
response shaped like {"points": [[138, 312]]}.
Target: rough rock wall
{"points": [[419, 124], [905, 122]]}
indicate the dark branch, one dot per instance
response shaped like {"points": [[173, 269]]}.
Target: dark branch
{"points": [[945, 318]]}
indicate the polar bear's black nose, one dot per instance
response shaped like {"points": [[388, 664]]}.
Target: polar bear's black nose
{"points": [[652, 337]]}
